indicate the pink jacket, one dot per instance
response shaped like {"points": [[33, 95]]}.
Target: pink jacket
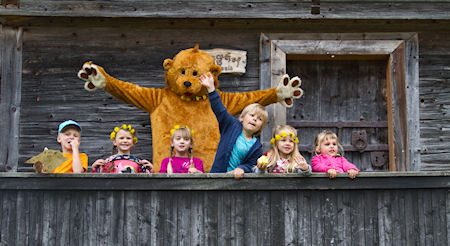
{"points": [[323, 162]]}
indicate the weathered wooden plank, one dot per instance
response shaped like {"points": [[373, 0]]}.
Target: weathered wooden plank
{"points": [[9, 206], [124, 218], [251, 219], [357, 205], [104, 206], [291, 235], [263, 227], [384, 218], [184, 219], [304, 208], [75, 219], [371, 218], [398, 218], [234, 9], [439, 217], [157, 204], [329, 212], [224, 218], [197, 219], [338, 47], [411, 218], [62, 222], [88, 215], [237, 218], [11, 82], [211, 218]]}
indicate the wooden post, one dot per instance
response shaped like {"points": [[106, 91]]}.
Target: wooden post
{"points": [[11, 80]]}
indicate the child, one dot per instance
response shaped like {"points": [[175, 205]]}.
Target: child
{"points": [[123, 139], [183, 161], [69, 136], [283, 157], [238, 147], [328, 159]]}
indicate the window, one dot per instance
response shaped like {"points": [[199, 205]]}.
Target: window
{"points": [[391, 57]]}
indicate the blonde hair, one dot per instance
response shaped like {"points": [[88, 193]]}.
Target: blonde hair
{"points": [[327, 134], [260, 111], [185, 133], [274, 149]]}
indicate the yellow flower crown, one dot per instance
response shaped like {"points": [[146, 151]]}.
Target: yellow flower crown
{"points": [[284, 134], [126, 128], [176, 127]]}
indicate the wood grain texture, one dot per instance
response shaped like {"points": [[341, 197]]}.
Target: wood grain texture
{"points": [[366, 215], [333, 9]]}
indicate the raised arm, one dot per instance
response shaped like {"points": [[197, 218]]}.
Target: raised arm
{"points": [[96, 78]]}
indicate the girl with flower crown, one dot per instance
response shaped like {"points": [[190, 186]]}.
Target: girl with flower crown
{"points": [[283, 157], [181, 159], [122, 161]]}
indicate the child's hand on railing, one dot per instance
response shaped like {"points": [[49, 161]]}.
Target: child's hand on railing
{"points": [[332, 173], [146, 165], [352, 173]]}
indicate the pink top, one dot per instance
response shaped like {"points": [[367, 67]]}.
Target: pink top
{"points": [[181, 164], [323, 162]]}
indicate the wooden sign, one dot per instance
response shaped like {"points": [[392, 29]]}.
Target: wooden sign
{"points": [[231, 61]]}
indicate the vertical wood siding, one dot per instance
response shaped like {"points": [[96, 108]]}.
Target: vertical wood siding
{"points": [[303, 217]]}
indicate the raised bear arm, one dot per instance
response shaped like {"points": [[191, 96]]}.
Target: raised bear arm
{"points": [[96, 78], [285, 92]]}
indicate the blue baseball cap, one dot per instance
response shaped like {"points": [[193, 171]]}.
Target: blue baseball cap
{"points": [[68, 123]]}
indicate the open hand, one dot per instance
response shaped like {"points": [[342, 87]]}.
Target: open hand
{"points": [[94, 76], [289, 89], [207, 80], [300, 163]]}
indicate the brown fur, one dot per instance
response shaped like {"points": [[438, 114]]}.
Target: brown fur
{"points": [[167, 108]]}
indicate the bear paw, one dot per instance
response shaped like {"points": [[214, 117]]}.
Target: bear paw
{"points": [[93, 75], [289, 89]]}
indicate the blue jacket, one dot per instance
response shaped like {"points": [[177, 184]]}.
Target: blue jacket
{"points": [[230, 128]]}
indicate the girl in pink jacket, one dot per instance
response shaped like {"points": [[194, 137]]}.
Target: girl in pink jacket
{"points": [[328, 159]]}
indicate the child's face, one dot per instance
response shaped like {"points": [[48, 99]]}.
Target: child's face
{"points": [[124, 141], [285, 146], [251, 122], [66, 137], [328, 146], [180, 144]]}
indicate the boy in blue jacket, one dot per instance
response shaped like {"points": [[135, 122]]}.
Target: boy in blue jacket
{"points": [[238, 149]]}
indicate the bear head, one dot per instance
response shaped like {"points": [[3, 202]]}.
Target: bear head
{"points": [[183, 72]]}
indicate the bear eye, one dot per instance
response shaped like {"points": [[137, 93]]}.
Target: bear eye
{"points": [[195, 73], [183, 72]]}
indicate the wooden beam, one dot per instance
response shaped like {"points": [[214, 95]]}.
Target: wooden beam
{"points": [[11, 80]]}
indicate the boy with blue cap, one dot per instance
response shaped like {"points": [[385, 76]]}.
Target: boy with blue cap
{"points": [[69, 136]]}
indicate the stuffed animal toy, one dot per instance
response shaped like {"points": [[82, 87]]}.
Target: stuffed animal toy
{"points": [[184, 101]]}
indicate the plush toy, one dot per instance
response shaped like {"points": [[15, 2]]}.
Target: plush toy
{"points": [[184, 101]]}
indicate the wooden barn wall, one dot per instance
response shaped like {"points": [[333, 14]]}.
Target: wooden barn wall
{"points": [[54, 49], [84, 210]]}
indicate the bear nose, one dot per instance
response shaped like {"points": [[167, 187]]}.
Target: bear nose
{"points": [[187, 83]]}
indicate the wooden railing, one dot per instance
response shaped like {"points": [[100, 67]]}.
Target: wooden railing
{"points": [[215, 209]]}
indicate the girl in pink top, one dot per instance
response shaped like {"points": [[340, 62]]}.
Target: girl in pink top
{"points": [[328, 159], [181, 159]]}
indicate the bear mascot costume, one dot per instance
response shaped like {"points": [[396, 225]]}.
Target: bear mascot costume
{"points": [[184, 101]]}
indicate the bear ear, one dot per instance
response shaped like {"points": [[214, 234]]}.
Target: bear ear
{"points": [[167, 64], [215, 70]]}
